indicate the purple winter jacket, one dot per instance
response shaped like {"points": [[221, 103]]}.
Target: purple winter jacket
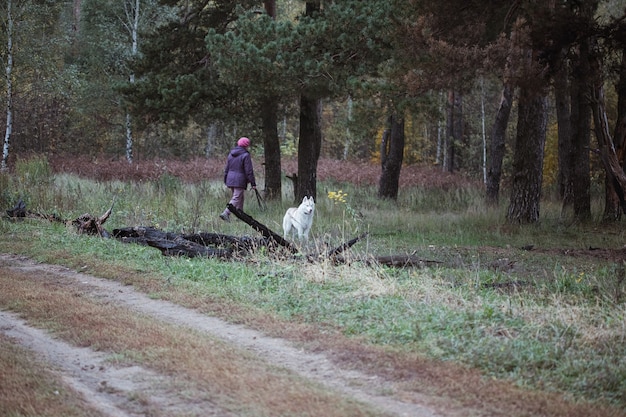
{"points": [[239, 172]]}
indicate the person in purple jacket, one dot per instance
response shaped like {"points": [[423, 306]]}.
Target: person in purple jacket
{"points": [[238, 174]]}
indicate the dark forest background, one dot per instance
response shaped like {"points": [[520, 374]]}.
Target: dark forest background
{"points": [[525, 96]]}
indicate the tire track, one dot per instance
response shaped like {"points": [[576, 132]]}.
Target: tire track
{"points": [[87, 370]]}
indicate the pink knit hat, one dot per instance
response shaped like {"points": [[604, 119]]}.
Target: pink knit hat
{"points": [[243, 142]]}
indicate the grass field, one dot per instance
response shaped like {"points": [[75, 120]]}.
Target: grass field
{"points": [[550, 318]]}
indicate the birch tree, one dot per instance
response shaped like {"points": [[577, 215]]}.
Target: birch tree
{"points": [[9, 84], [111, 32], [131, 23]]}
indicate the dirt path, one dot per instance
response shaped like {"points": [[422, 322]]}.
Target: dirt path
{"points": [[108, 388]]}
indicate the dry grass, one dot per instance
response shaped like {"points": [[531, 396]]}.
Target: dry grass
{"points": [[199, 169], [443, 386], [29, 388], [232, 378], [456, 385]]}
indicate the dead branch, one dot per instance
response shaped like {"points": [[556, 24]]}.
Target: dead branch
{"points": [[347, 245], [403, 261], [106, 215], [19, 212], [264, 230], [88, 224]]}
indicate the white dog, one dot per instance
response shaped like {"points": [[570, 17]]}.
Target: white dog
{"points": [[300, 219]]}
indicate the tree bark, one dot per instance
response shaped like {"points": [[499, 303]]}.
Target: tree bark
{"points": [[211, 135], [132, 9], [270, 8], [574, 123], [76, 9], [191, 245], [609, 155], [271, 142], [309, 146], [9, 88], [391, 155], [271, 148], [581, 131], [310, 135], [562, 98], [454, 128], [498, 144], [483, 134], [613, 197], [528, 156]]}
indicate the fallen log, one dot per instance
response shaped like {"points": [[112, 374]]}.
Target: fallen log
{"points": [[264, 230], [347, 245], [244, 243], [403, 261], [19, 212], [141, 235], [212, 244], [85, 223], [392, 261], [183, 247], [190, 245]]}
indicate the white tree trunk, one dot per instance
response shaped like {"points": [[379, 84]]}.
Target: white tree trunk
{"points": [[76, 11], [129, 139], [482, 114], [211, 136], [439, 127], [9, 91], [346, 148], [132, 17], [283, 133]]}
